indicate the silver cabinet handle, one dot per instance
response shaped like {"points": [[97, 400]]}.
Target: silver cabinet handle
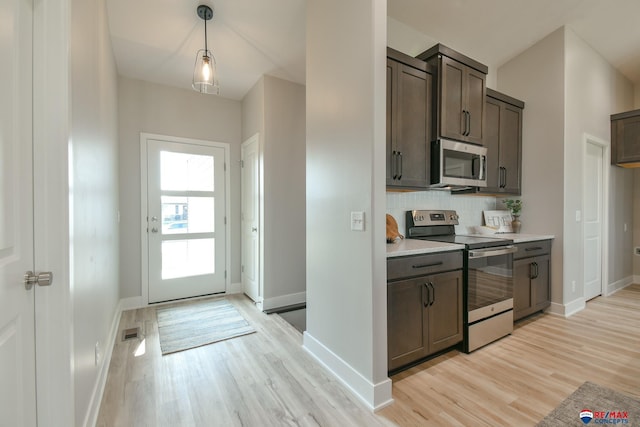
{"points": [[41, 279]]}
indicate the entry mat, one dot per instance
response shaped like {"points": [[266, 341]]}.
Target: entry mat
{"points": [[199, 323]]}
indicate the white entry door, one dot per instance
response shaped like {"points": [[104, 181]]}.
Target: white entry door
{"points": [[17, 328], [186, 207], [593, 211], [250, 218]]}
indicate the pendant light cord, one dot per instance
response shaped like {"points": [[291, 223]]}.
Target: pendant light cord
{"points": [[206, 49]]}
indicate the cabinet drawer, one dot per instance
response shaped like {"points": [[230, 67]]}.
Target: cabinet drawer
{"points": [[420, 265], [530, 249]]}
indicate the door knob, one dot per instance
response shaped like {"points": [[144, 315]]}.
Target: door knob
{"points": [[254, 229], [40, 279]]}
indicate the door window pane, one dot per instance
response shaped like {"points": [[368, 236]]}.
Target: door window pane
{"points": [[184, 258], [188, 214], [185, 172]]}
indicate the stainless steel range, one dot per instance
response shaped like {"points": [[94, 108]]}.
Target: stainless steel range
{"points": [[488, 275]]}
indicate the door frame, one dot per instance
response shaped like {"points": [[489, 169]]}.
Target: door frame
{"points": [[604, 230], [52, 198], [144, 239]]}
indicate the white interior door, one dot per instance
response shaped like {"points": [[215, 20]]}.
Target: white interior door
{"points": [[250, 218], [17, 328], [593, 211], [186, 207]]}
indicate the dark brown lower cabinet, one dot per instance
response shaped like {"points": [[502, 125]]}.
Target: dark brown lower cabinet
{"points": [[424, 316], [532, 285]]}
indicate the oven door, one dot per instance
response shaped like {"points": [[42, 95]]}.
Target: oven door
{"points": [[489, 282]]}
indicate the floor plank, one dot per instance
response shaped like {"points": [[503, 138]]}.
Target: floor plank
{"points": [[267, 379]]}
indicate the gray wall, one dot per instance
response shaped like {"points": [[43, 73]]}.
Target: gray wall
{"points": [[345, 161], [154, 108], [542, 89], [285, 191], [275, 109], [563, 102], [93, 194]]}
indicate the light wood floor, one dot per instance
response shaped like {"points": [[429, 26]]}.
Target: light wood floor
{"points": [[267, 379]]}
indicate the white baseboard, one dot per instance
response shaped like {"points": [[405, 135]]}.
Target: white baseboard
{"points": [[566, 310], [620, 284], [98, 390], [234, 288], [375, 396], [131, 303], [556, 309], [284, 300], [574, 306]]}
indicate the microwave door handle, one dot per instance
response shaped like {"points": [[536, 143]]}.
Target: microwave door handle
{"points": [[482, 167]]}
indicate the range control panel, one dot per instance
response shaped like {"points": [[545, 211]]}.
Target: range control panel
{"points": [[431, 217]]}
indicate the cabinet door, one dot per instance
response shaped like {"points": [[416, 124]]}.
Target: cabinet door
{"points": [[627, 140], [541, 282], [452, 99], [475, 92], [406, 333], [413, 126], [392, 70], [445, 311], [492, 143], [408, 126], [522, 295], [510, 148]]}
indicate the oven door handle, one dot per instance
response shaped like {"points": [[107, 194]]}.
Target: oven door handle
{"points": [[502, 250]]}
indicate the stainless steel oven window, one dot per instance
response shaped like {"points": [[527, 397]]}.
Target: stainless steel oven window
{"points": [[489, 278]]}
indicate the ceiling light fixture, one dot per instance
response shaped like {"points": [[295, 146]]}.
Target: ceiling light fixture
{"points": [[205, 74]]}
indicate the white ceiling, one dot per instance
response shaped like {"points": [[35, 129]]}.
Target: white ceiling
{"points": [[157, 40]]}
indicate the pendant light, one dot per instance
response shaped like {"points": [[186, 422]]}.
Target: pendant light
{"points": [[205, 75]]}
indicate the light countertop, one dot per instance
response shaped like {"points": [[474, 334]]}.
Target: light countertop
{"points": [[517, 237], [406, 247]]}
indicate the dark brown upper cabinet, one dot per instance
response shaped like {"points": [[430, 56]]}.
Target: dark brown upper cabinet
{"points": [[625, 139], [503, 139], [409, 103], [460, 90]]}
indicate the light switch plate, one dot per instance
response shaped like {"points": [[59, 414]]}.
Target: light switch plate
{"points": [[357, 221]]}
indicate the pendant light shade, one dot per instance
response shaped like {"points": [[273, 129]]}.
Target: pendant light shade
{"points": [[205, 75]]}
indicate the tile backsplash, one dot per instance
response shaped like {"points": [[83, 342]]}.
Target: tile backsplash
{"points": [[469, 207]]}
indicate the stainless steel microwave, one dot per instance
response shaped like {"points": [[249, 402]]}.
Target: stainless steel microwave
{"points": [[457, 164]]}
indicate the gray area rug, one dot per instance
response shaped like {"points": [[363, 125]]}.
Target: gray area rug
{"points": [[603, 407], [199, 323]]}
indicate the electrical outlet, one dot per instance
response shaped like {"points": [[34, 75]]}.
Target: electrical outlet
{"points": [[98, 354]]}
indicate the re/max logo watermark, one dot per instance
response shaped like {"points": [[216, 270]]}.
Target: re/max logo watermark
{"points": [[604, 417]]}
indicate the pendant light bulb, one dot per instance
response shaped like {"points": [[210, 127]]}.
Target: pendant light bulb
{"points": [[206, 69]]}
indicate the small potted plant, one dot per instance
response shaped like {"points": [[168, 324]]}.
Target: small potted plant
{"points": [[515, 206]]}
